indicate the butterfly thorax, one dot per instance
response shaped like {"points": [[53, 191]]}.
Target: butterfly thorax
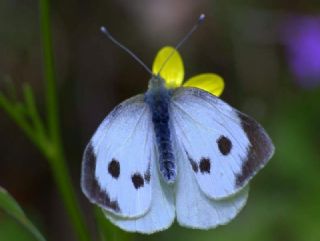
{"points": [[158, 99]]}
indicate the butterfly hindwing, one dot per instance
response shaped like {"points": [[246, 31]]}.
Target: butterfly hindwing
{"points": [[224, 147], [195, 209], [162, 211], [117, 161]]}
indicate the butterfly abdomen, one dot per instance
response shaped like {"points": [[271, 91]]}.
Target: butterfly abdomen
{"points": [[158, 101]]}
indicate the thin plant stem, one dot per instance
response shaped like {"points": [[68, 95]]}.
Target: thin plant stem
{"points": [[55, 156], [33, 112], [49, 73]]}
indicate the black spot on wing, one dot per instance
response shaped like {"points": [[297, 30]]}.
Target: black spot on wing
{"points": [[224, 145], [137, 180], [114, 168], [90, 185], [259, 152], [193, 163], [147, 175], [205, 165]]}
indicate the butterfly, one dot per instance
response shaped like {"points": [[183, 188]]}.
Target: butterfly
{"points": [[174, 152]]}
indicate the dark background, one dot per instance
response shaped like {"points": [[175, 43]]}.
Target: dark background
{"points": [[268, 52]]}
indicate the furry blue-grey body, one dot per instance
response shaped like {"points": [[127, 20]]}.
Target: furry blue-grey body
{"points": [[158, 99]]}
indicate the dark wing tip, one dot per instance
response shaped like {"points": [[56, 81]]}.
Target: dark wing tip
{"points": [[90, 185], [260, 151]]}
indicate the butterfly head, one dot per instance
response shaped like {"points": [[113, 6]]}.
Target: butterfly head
{"points": [[156, 82]]}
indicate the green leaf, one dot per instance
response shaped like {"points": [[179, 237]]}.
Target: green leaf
{"points": [[12, 208]]}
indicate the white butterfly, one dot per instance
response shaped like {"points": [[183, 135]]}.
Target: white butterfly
{"points": [[173, 153]]}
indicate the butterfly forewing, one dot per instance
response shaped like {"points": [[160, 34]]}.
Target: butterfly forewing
{"points": [[224, 147], [117, 161]]}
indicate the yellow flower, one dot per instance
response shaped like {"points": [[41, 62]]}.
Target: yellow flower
{"points": [[173, 73]]}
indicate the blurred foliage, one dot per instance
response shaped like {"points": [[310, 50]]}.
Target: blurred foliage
{"points": [[241, 40], [10, 206], [10, 230]]}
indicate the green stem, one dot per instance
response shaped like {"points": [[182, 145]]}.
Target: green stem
{"points": [[63, 181], [33, 113], [56, 156], [49, 74]]}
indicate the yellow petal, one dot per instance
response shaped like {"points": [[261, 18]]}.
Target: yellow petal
{"points": [[209, 82], [171, 69]]}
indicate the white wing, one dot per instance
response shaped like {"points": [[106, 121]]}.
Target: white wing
{"points": [[224, 147], [117, 161], [194, 209], [162, 212]]}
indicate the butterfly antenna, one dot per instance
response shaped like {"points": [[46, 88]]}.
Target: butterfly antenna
{"points": [[106, 32], [185, 38]]}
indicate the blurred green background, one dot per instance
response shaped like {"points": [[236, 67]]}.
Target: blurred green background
{"points": [[268, 52]]}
